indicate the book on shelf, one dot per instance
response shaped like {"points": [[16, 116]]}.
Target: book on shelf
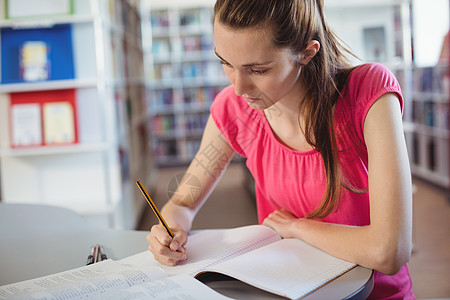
{"points": [[31, 54], [26, 125], [189, 19], [430, 113], [192, 147], [195, 123], [431, 155], [161, 47], [161, 100], [53, 115], [255, 255], [432, 80], [34, 62], [442, 115], [163, 124], [58, 123], [159, 19]]}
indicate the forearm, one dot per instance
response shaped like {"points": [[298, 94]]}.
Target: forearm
{"points": [[176, 215], [189, 198], [200, 179], [364, 245], [384, 244], [181, 209]]}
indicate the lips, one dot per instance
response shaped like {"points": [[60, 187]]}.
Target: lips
{"points": [[252, 100]]}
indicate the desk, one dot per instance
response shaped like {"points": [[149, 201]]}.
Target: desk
{"points": [[38, 240]]}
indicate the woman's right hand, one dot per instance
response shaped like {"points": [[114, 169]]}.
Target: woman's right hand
{"points": [[167, 250]]}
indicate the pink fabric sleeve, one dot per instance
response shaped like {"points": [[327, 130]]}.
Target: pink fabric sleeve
{"points": [[225, 112], [367, 87]]}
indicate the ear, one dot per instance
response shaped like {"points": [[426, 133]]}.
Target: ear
{"points": [[310, 51]]}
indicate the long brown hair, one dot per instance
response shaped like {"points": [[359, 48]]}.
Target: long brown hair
{"points": [[294, 24]]}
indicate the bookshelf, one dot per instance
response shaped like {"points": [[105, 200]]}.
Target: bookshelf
{"points": [[429, 124], [96, 62], [182, 75]]}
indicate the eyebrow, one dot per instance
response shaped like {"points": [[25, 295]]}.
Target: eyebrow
{"points": [[246, 65]]}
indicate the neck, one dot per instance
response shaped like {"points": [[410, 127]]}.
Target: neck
{"points": [[287, 109]]}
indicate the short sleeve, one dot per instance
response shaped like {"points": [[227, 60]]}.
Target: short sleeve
{"points": [[365, 85]]}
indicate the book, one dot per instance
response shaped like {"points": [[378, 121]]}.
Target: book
{"points": [[47, 52], [59, 124], [34, 63], [255, 255], [54, 117], [110, 280], [26, 125]]}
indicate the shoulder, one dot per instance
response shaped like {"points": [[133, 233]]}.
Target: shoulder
{"points": [[368, 82], [371, 76], [364, 86]]}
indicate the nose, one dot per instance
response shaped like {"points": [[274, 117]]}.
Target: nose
{"points": [[242, 83]]}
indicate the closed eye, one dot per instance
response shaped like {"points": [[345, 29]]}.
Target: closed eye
{"points": [[259, 72], [225, 63], [256, 72]]}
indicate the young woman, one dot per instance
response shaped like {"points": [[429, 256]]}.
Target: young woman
{"points": [[323, 140]]}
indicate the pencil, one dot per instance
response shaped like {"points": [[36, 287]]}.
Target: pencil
{"points": [[155, 209]]}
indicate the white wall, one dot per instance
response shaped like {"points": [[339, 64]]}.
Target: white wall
{"points": [[431, 23]]}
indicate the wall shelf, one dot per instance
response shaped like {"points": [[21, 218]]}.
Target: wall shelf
{"points": [[54, 150], [48, 85]]}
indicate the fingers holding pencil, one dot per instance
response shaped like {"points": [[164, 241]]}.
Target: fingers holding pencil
{"points": [[166, 244], [167, 250]]}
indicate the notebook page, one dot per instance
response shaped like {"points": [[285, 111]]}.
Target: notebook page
{"points": [[207, 248], [289, 267]]}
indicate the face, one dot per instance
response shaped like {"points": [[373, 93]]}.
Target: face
{"points": [[260, 72]]}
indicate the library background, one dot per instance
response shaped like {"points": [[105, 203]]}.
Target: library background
{"points": [[96, 94]]}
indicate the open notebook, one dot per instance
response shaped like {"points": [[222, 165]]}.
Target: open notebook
{"points": [[256, 255]]}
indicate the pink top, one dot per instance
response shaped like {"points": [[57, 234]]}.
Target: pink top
{"points": [[294, 180]]}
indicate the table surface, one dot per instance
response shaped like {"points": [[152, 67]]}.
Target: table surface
{"points": [[39, 240]]}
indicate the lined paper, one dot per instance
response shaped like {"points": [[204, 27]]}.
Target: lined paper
{"points": [[211, 247], [291, 268], [257, 256]]}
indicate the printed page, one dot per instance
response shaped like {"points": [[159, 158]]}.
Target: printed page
{"points": [[289, 268], [207, 248], [86, 281], [179, 287]]}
